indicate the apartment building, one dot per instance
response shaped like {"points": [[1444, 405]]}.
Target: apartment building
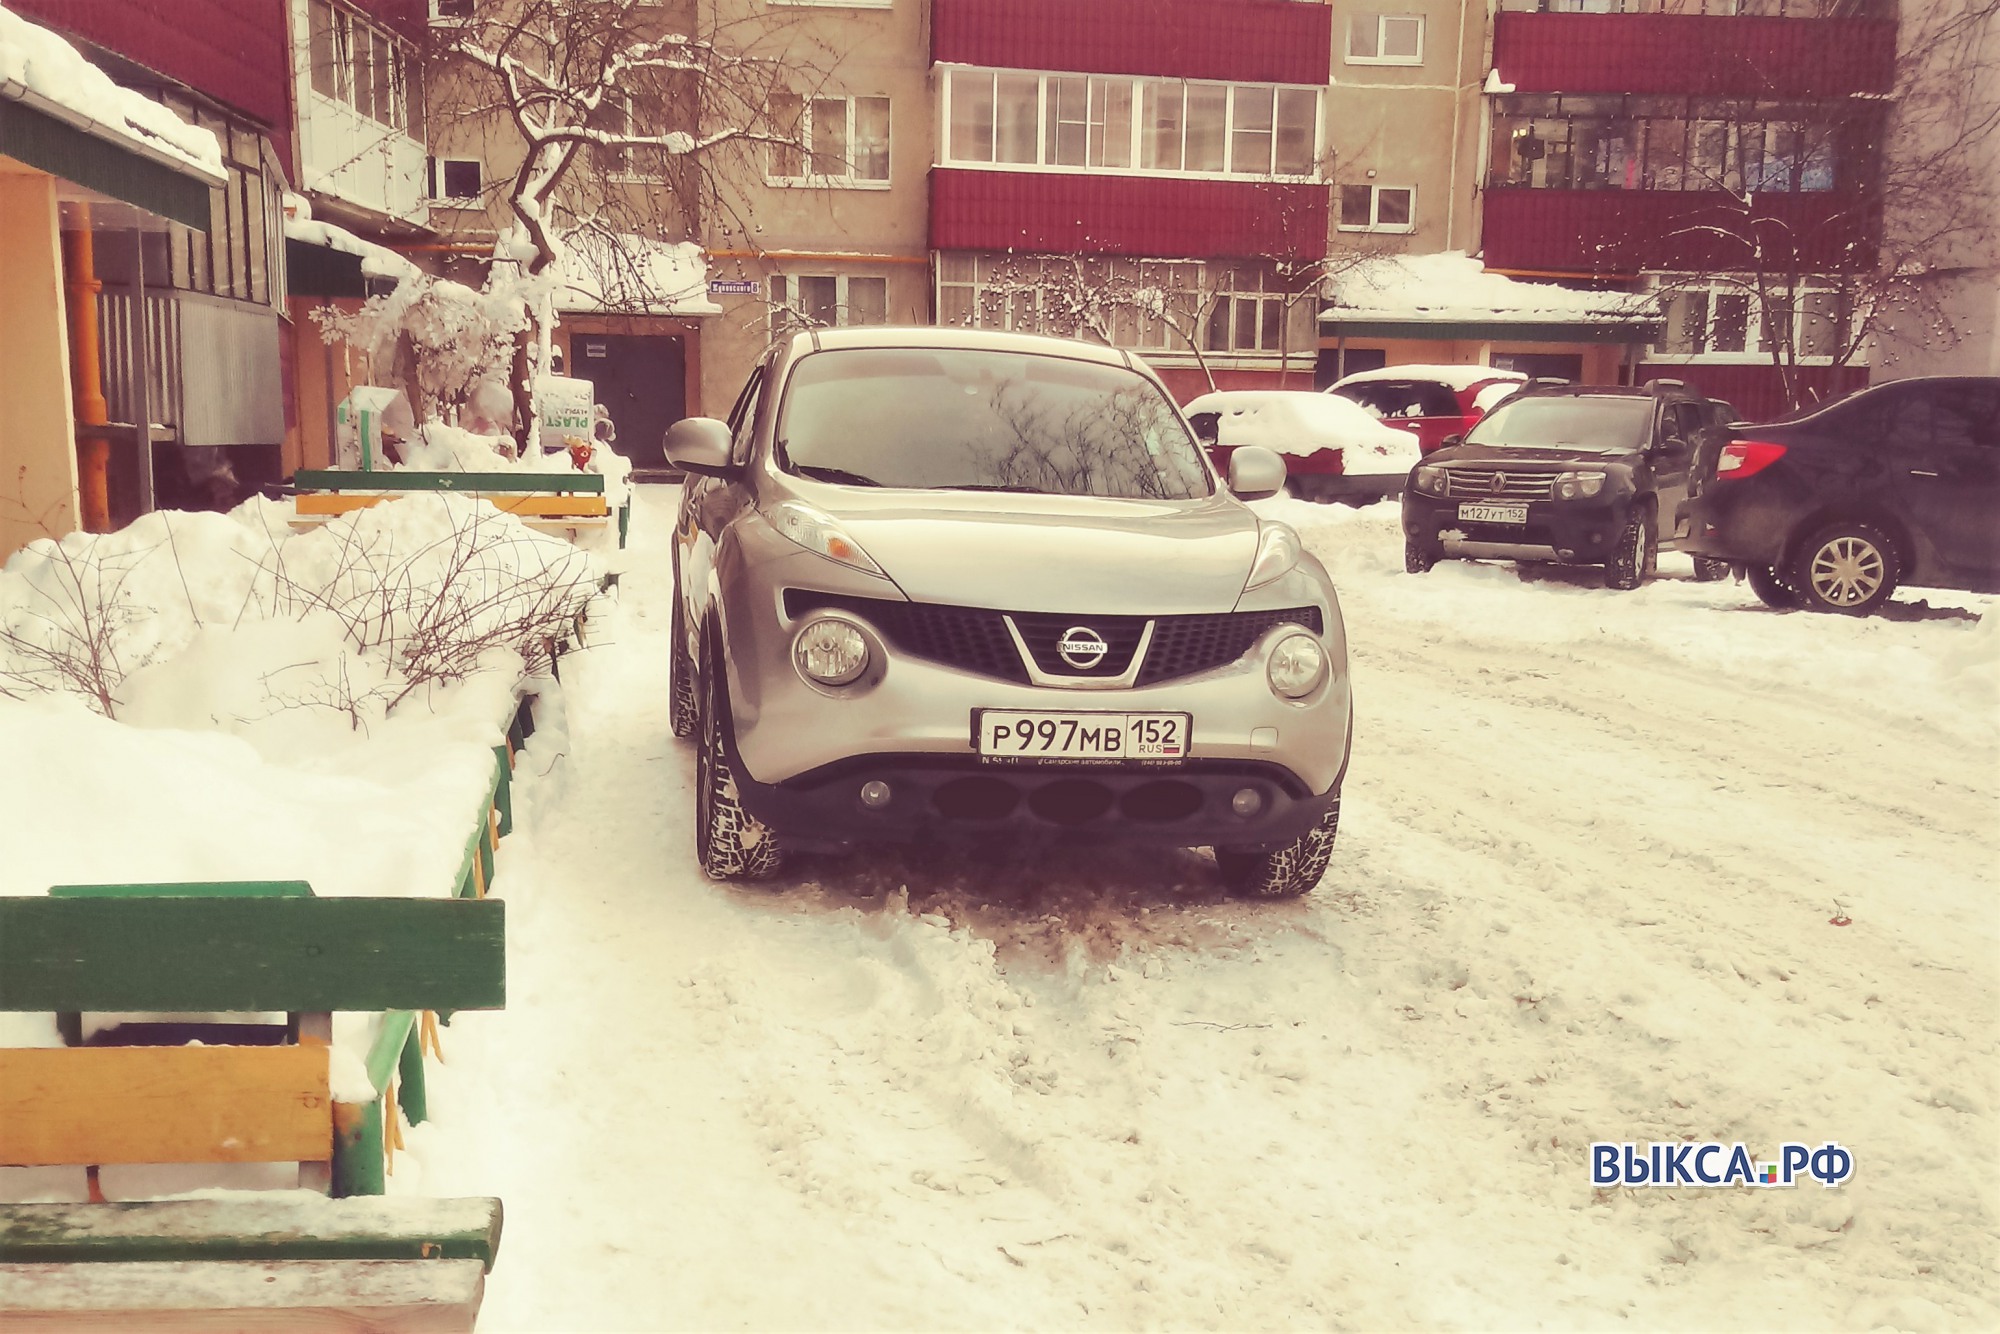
{"points": [[1722, 153]]}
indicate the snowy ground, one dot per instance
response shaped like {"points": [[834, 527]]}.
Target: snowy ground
{"points": [[1593, 844]]}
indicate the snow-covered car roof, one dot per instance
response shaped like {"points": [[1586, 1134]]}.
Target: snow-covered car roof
{"points": [[1298, 422], [1459, 378]]}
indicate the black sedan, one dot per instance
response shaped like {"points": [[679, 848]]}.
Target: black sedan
{"points": [[1834, 508]]}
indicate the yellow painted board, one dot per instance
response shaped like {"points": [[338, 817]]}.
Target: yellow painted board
{"points": [[578, 506], [71, 1105]]}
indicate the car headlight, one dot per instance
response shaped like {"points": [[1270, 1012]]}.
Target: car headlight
{"points": [[1278, 551], [1429, 480], [820, 533], [1572, 485], [1298, 665], [830, 652]]}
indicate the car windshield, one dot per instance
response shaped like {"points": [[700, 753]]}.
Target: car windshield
{"points": [[954, 419], [1599, 423]]}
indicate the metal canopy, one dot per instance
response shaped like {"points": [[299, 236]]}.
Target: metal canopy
{"points": [[48, 144]]}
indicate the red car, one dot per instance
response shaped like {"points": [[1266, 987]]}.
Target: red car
{"points": [[1431, 402]]}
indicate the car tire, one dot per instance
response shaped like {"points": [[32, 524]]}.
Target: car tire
{"points": [[1418, 557], [1709, 570], [1771, 588], [1637, 553], [1290, 871], [1846, 567], [683, 713], [729, 842]]}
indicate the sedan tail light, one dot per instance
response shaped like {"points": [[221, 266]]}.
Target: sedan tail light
{"points": [[1746, 458]]}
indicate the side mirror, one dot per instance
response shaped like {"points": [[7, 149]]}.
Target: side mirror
{"points": [[1451, 440], [1255, 472], [700, 445]]}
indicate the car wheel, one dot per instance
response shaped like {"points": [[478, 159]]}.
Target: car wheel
{"points": [[1771, 589], [1708, 570], [682, 712], [1418, 557], [729, 842], [1846, 567], [1288, 872], [1636, 555]]}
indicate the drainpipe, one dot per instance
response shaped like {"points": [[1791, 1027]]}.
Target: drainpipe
{"points": [[1457, 96], [93, 449]]}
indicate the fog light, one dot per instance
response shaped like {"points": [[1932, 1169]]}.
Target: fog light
{"points": [[830, 652], [1247, 802], [875, 794]]}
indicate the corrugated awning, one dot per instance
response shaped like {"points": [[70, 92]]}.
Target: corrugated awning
{"points": [[47, 143], [1336, 324]]}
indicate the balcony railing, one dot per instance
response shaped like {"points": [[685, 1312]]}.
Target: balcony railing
{"points": [[1074, 214], [1259, 41], [1691, 53], [1773, 9], [1633, 231]]}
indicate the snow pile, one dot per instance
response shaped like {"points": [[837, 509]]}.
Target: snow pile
{"points": [[635, 275], [1458, 377], [438, 447], [37, 65], [1301, 423], [1451, 286]]}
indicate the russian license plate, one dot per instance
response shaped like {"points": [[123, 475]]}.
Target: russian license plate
{"points": [[1007, 736], [1493, 513]]}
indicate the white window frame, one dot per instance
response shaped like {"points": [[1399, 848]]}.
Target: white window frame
{"points": [[1136, 151], [1374, 223], [1754, 352], [622, 169], [436, 183], [404, 64], [848, 180], [1382, 22], [778, 311]]}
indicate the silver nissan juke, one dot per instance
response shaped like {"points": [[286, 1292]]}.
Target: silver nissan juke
{"points": [[944, 585]]}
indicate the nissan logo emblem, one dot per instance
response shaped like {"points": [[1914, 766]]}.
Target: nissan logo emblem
{"points": [[1082, 647]]}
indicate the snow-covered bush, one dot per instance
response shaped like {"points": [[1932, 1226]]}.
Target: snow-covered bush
{"points": [[439, 337], [375, 609]]}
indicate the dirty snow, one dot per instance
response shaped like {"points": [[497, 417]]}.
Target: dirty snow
{"points": [[1594, 844]]}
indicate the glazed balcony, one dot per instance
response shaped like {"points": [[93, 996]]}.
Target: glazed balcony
{"points": [[1626, 232], [1255, 41], [1704, 55], [1082, 214]]}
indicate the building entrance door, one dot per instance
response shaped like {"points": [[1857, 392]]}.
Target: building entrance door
{"points": [[641, 379]]}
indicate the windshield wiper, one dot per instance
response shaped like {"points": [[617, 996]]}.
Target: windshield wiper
{"points": [[841, 475], [989, 486]]}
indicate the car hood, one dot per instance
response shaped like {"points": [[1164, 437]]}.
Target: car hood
{"points": [[1533, 460], [1014, 552]]}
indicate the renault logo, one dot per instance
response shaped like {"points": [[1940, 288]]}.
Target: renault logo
{"points": [[1082, 647], [1499, 482]]}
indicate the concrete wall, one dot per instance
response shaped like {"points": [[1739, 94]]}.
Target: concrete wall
{"points": [[37, 431]]}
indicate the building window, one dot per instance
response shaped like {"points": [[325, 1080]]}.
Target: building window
{"points": [[818, 301], [1252, 312], [1378, 208], [1075, 122], [830, 140], [456, 179], [1727, 322], [363, 66], [241, 255], [1385, 39], [639, 116], [1650, 143]]}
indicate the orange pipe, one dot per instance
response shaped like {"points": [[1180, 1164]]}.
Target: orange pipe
{"points": [[93, 450], [841, 256]]}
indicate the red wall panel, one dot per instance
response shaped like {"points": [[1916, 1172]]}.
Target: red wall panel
{"points": [[1697, 54], [1263, 41], [1626, 231], [1166, 218], [1756, 391]]}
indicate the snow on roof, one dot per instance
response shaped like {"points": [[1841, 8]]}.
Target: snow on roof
{"points": [[41, 69], [1459, 378], [1453, 287], [377, 261], [634, 274], [1300, 422]]}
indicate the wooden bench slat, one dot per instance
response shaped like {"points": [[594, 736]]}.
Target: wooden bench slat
{"points": [[66, 1105], [535, 506], [238, 954], [244, 1295], [189, 889], [330, 479], [261, 1225]]}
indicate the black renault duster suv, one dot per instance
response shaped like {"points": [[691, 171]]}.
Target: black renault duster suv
{"points": [[1578, 474]]}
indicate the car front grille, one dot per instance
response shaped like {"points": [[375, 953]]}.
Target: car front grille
{"points": [[974, 639], [1499, 484]]}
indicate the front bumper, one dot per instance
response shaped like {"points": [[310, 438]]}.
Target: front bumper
{"points": [[937, 798], [1579, 532]]}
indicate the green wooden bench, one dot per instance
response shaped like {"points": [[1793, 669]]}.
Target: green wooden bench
{"points": [[552, 501], [237, 948]]}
